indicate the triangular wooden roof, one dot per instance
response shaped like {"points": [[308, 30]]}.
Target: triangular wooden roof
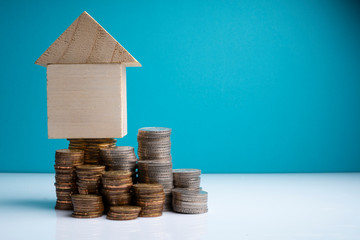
{"points": [[85, 41]]}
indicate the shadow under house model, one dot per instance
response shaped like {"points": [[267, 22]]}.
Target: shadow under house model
{"points": [[86, 82]]}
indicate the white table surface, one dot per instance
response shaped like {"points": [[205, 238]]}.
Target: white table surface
{"points": [[241, 206]]}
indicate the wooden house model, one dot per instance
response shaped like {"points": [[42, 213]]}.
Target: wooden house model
{"points": [[86, 82]]}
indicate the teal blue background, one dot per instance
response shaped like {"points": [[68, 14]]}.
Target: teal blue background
{"points": [[246, 86]]}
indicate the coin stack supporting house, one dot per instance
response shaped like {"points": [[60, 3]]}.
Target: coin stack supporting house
{"points": [[83, 187], [116, 187], [87, 206], [65, 177], [155, 161], [150, 197], [92, 147], [125, 212], [120, 158], [89, 178], [187, 178], [189, 201]]}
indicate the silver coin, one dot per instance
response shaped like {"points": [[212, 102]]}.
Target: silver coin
{"points": [[154, 131], [189, 204], [187, 171], [189, 211]]}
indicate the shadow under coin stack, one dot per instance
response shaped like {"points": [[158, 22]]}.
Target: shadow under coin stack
{"points": [[91, 147], [65, 177], [120, 158], [125, 212], [187, 178], [188, 201], [155, 162], [89, 178], [87, 206], [116, 187], [150, 197]]}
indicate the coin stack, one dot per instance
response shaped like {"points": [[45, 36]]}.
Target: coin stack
{"points": [[187, 178], [189, 201], [87, 206], [116, 187], [155, 164], [92, 147], [150, 197], [89, 178], [65, 177], [125, 212], [120, 158]]}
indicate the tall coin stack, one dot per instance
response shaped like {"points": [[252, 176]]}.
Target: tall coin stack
{"points": [[155, 162], [189, 201], [91, 147], [187, 178], [120, 158], [89, 178], [65, 177], [116, 187], [150, 197]]}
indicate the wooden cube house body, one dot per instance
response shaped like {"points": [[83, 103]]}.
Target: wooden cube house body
{"points": [[86, 100]]}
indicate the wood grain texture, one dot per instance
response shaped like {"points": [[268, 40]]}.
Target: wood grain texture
{"points": [[85, 41], [86, 101]]}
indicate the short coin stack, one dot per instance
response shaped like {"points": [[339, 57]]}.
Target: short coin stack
{"points": [[125, 212], [87, 206], [65, 177], [89, 178], [116, 187], [155, 164], [92, 147], [120, 158], [188, 201], [150, 197], [187, 178]]}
